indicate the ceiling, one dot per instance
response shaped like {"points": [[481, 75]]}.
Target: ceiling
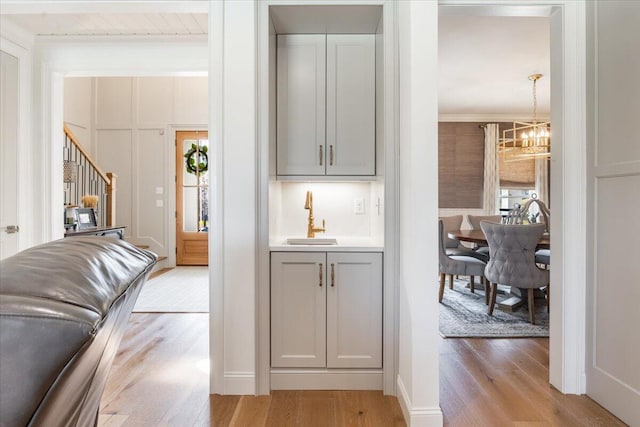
{"points": [[107, 24], [484, 61], [484, 64]]}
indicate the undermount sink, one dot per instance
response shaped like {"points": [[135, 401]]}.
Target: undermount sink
{"points": [[311, 241]]}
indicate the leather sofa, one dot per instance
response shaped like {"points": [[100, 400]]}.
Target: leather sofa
{"points": [[64, 307]]}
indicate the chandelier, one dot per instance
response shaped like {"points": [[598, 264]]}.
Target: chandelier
{"points": [[525, 140]]}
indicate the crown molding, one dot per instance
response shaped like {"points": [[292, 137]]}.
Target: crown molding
{"points": [[489, 117], [15, 34]]}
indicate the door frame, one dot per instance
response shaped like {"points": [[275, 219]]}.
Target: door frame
{"points": [[19, 48], [567, 340]]}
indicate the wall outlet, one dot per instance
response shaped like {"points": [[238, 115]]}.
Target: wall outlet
{"points": [[159, 190], [358, 206], [159, 203]]}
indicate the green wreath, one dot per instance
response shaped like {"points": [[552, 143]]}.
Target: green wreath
{"points": [[197, 161]]}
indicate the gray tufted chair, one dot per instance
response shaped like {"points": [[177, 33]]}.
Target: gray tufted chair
{"points": [[474, 221], [512, 259], [457, 264], [453, 246]]}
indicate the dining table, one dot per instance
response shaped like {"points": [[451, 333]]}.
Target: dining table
{"points": [[517, 296], [478, 237]]}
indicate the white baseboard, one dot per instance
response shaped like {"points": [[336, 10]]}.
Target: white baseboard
{"points": [[417, 417], [326, 379], [240, 383]]}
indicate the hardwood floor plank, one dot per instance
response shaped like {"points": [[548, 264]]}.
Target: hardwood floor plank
{"points": [[285, 405], [217, 411], [251, 411], [317, 409]]}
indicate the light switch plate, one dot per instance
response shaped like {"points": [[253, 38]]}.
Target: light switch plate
{"points": [[159, 190], [159, 203], [358, 206]]}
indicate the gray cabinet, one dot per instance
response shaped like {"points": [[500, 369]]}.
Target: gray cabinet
{"points": [[326, 105], [326, 310]]}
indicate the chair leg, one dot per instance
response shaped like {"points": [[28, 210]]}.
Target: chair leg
{"points": [[532, 314], [548, 299], [487, 288], [472, 284], [451, 281], [441, 293], [492, 304]]}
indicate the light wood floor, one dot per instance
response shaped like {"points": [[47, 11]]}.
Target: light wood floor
{"points": [[159, 378]]}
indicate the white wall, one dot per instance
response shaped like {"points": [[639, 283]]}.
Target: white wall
{"points": [[135, 122], [418, 381], [79, 107], [333, 202]]}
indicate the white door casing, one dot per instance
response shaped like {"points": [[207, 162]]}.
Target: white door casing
{"points": [[9, 175], [613, 342]]}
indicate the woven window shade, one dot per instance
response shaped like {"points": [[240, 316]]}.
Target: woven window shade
{"points": [[520, 174]]}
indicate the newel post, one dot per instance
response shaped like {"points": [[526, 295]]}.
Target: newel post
{"points": [[111, 199]]}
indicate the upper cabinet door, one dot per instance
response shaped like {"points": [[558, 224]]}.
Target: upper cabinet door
{"points": [[301, 104], [351, 103]]}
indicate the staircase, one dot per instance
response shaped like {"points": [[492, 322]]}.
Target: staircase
{"points": [[83, 177]]}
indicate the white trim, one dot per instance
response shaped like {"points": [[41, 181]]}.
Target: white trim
{"points": [[239, 383], [216, 240], [417, 417], [503, 117], [263, 306], [391, 259], [325, 379], [14, 33]]}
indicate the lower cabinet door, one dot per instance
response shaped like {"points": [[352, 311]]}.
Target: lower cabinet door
{"points": [[298, 309], [354, 310]]}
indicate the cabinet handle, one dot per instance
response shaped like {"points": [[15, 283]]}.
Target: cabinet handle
{"points": [[331, 155], [320, 270], [321, 156], [332, 275]]}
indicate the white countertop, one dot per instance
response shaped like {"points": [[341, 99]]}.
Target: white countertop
{"points": [[345, 244]]}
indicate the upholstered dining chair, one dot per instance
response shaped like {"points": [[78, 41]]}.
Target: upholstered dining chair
{"points": [[512, 261], [458, 265], [454, 246], [474, 221]]}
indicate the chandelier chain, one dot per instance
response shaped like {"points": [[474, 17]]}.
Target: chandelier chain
{"points": [[535, 103]]}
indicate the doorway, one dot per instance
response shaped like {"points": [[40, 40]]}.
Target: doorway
{"points": [[192, 198]]}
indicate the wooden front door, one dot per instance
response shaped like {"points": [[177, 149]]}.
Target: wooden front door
{"points": [[192, 198]]}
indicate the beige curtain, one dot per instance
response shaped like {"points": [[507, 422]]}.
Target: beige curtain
{"points": [[542, 180], [491, 170]]}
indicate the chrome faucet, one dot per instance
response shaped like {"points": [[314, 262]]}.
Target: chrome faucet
{"points": [[311, 229]]}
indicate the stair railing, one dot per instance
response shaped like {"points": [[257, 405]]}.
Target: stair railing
{"points": [[83, 177]]}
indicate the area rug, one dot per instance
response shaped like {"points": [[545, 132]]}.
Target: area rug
{"points": [[463, 314], [179, 290]]}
